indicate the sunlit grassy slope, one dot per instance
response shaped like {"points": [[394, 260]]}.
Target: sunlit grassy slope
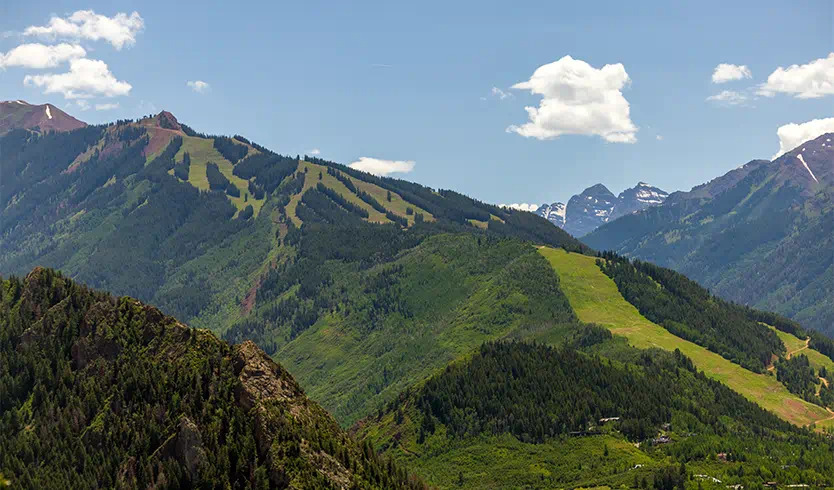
{"points": [[396, 205], [797, 346], [202, 151], [595, 299], [458, 294]]}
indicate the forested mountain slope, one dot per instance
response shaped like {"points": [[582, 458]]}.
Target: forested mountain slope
{"points": [[760, 235], [533, 416], [253, 245], [108, 392], [152, 209], [619, 304]]}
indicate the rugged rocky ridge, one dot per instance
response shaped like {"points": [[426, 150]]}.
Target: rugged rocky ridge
{"points": [[597, 205], [154, 402], [555, 213]]}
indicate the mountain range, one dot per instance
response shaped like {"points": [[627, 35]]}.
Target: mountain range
{"points": [[349, 330], [759, 235], [597, 205]]}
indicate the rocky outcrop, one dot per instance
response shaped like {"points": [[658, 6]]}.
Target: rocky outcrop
{"points": [[189, 446]]}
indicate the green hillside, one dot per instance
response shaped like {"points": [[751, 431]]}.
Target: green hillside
{"points": [[356, 334], [518, 415], [760, 235], [129, 207], [110, 391], [595, 299]]}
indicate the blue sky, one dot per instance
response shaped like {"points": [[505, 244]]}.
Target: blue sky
{"points": [[415, 83]]}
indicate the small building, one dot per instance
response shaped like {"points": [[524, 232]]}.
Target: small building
{"points": [[662, 440]]}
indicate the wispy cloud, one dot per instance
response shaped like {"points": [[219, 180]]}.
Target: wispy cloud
{"points": [[378, 166], [199, 86], [729, 98], [497, 92]]}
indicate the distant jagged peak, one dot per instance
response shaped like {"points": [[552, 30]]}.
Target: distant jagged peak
{"points": [[20, 114]]}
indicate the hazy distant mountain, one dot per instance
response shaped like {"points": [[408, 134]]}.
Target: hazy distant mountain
{"points": [[762, 234], [595, 206], [19, 114], [589, 209], [555, 213]]}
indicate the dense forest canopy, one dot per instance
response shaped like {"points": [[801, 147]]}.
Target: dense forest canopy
{"points": [[108, 390]]}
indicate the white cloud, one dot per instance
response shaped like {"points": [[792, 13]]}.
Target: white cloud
{"points": [[198, 86], [578, 99], [107, 107], [86, 78], [792, 135], [659, 137], [809, 81], [119, 30], [82, 104], [378, 166], [315, 151], [500, 93], [521, 206], [726, 72], [39, 56], [728, 97]]}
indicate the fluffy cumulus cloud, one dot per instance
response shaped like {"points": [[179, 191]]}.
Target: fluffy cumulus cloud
{"points": [[40, 56], [85, 79], [726, 72], [578, 99], [808, 81], [728, 97], [119, 30], [521, 206], [792, 135], [378, 166], [198, 86]]}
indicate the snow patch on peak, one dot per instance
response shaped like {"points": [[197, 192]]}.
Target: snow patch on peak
{"points": [[48, 114], [801, 159], [21, 102]]}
